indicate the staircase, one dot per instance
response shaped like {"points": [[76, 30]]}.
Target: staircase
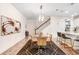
{"points": [[43, 25]]}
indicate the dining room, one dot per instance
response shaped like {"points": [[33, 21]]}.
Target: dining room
{"points": [[51, 30]]}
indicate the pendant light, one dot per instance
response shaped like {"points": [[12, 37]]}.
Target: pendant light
{"points": [[41, 17]]}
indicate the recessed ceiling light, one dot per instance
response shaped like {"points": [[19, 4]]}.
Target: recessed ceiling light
{"points": [[72, 3], [66, 11], [57, 9], [72, 15]]}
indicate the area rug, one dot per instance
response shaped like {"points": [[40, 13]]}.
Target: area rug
{"points": [[33, 49]]}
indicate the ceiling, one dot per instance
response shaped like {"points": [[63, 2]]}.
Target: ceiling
{"points": [[32, 10]]}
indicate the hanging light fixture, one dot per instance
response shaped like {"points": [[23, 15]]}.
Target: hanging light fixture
{"points": [[41, 17]]}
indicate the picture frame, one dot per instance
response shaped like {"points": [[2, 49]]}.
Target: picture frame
{"points": [[9, 26]]}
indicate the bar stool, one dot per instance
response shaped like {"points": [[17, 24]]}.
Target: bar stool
{"points": [[59, 37], [76, 40], [65, 41]]}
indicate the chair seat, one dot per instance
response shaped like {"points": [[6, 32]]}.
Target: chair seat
{"points": [[77, 40], [66, 37]]}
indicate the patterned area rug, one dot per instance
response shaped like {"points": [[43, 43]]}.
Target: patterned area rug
{"points": [[33, 49]]}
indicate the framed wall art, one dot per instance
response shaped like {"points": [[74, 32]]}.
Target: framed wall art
{"points": [[9, 26]]}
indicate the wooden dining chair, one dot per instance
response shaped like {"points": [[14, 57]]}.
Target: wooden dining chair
{"points": [[67, 41]]}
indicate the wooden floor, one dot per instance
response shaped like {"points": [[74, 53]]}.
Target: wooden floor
{"points": [[14, 50], [67, 51]]}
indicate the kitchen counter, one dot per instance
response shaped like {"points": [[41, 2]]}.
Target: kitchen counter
{"points": [[71, 33]]}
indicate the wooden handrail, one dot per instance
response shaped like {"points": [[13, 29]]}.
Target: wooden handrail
{"points": [[42, 25]]}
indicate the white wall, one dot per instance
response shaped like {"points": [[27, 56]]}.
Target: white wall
{"points": [[8, 41], [76, 22], [30, 26], [51, 28], [57, 25]]}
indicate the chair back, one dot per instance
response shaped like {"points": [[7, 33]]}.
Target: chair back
{"points": [[59, 34], [63, 35], [42, 42]]}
